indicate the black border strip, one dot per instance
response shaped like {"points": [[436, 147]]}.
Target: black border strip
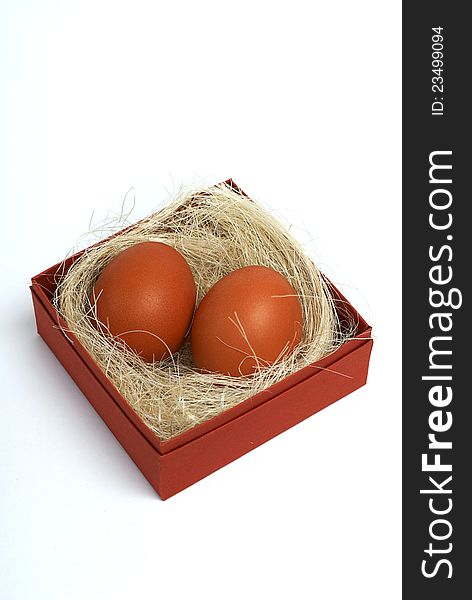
{"points": [[432, 254]]}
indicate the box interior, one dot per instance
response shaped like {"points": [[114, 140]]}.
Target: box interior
{"points": [[44, 286]]}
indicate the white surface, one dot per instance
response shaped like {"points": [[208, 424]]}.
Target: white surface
{"points": [[299, 103]]}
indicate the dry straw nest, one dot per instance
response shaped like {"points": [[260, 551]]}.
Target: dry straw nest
{"points": [[217, 230]]}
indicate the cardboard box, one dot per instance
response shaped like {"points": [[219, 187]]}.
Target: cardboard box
{"points": [[173, 465]]}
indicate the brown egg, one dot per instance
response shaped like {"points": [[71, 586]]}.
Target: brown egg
{"points": [[146, 297], [248, 320]]}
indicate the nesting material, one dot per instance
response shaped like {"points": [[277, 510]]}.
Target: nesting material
{"points": [[217, 230]]}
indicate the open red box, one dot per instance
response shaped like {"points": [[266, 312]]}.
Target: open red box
{"points": [[173, 465]]}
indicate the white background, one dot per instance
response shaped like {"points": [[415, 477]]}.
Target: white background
{"points": [[299, 102]]}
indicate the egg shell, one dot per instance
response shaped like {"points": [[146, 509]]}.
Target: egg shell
{"points": [[146, 297], [248, 320]]}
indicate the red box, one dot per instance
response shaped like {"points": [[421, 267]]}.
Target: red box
{"points": [[173, 465]]}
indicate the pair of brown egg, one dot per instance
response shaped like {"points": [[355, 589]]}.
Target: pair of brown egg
{"points": [[249, 319]]}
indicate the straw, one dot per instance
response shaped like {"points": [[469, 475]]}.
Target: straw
{"points": [[217, 230]]}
